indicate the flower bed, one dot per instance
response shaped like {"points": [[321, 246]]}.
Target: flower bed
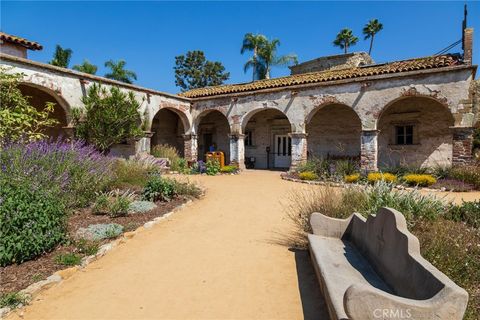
{"points": [[341, 172]]}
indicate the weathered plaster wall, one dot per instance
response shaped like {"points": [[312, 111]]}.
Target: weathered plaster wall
{"points": [[432, 143], [334, 130]]}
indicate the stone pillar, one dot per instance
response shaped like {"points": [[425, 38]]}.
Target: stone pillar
{"points": [[237, 150], [299, 149], [369, 150], [143, 144], [462, 145], [190, 147]]}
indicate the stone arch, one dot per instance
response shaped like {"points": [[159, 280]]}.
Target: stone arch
{"points": [[415, 131], [212, 128], [267, 128], [39, 96], [334, 131], [250, 114], [169, 125]]}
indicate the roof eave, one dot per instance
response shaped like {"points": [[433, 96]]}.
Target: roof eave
{"points": [[342, 81], [82, 75]]}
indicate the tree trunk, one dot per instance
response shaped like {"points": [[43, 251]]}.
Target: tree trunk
{"points": [[254, 63], [371, 45], [346, 47]]}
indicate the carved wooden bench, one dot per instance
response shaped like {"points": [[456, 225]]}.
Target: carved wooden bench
{"points": [[372, 269]]}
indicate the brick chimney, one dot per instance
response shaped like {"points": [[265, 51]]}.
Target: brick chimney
{"points": [[467, 45]]}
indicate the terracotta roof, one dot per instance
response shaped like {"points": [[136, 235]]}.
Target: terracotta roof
{"points": [[330, 75], [21, 41]]}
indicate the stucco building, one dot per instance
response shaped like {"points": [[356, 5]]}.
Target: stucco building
{"points": [[417, 112]]}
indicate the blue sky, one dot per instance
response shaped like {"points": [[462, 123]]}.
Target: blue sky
{"points": [[148, 35]]}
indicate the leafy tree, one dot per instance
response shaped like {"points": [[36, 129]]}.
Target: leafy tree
{"points": [[193, 70], [268, 57], [61, 57], [118, 71], [18, 118], [86, 67], [370, 30], [110, 117], [253, 42], [345, 39]]}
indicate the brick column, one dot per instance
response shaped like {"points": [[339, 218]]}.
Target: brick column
{"points": [[190, 147], [299, 149], [369, 150], [462, 144], [237, 150]]}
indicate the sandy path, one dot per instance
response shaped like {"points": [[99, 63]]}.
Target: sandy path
{"points": [[213, 260]]}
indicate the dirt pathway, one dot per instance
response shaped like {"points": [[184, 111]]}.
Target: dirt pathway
{"points": [[213, 260]]}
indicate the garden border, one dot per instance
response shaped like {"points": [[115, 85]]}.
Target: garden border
{"points": [[57, 277], [343, 184]]}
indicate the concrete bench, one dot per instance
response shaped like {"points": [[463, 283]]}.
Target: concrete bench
{"points": [[372, 269]]}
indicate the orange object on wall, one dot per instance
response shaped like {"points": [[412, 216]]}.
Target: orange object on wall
{"points": [[217, 155]]}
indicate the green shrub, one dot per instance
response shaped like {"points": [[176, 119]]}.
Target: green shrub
{"points": [[308, 175], [109, 116], [86, 247], [13, 300], [101, 204], [467, 173], [31, 222], [345, 167], [114, 203], [68, 259], [454, 249], [468, 212], [159, 189], [119, 206], [130, 174], [422, 180], [212, 167], [187, 188], [171, 153]]}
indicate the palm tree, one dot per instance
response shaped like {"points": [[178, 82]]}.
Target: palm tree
{"points": [[118, 71], [61, 57], [345, 39], [268, 57], [86, 67], [253, 42], [370, 30]]}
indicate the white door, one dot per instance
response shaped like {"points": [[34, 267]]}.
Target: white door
{"points": [[283, 151]]}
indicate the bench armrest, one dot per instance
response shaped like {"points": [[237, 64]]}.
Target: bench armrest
{"points": [[325, 226], [366, 302]]}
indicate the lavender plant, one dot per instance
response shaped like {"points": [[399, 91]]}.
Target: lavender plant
{"points": [[73, 172]]}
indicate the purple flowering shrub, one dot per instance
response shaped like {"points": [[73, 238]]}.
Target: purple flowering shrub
{"points": [[73, 172], [40, 182]]}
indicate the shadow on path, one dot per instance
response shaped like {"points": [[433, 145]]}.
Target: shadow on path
{"points": [[313, 304]]}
